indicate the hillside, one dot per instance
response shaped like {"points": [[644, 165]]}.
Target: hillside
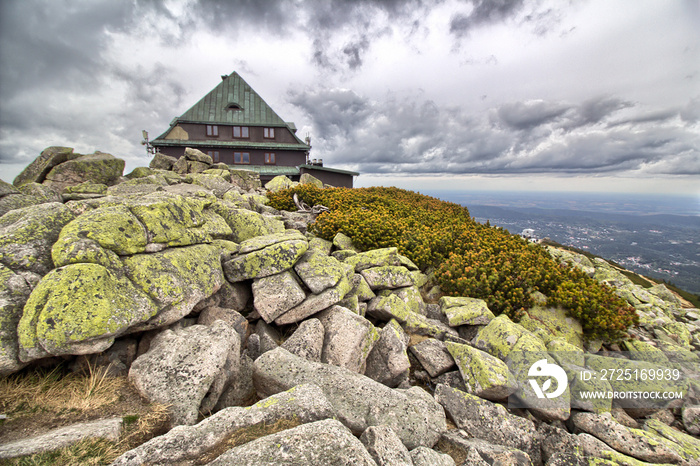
{"points": [[185, 314]]}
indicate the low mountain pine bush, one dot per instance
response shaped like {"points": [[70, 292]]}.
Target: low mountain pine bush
{"points": [[469, 259]]}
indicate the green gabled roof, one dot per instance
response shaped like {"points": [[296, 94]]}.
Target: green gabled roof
{"points": [[213, 107]]}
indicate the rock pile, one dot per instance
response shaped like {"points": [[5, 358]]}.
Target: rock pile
{"points": [[181, 276]]}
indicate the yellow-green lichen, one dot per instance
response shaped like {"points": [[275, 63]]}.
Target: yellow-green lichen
{"points": [[80, 302]]}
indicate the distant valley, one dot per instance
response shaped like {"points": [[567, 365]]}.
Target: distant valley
{"points": [[627, 230]]}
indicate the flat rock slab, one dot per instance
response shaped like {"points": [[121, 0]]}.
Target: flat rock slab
{"points": [[359, 401], [433, 356], [304, 403], [321, 442], [109, 429]]}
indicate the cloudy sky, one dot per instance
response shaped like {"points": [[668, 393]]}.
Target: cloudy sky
{"points": [[451, 94]]}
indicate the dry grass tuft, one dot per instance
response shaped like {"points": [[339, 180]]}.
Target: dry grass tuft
{"points": [[55, 391], [246, 435]]}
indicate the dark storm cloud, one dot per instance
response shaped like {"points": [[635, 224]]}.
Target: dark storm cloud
{"points": [[483, 12], [528, 115], [404, 134]]}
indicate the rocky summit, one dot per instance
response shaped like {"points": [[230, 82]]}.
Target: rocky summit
{"points": [[182, 278]]}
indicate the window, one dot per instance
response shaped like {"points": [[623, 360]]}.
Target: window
{"points": [[240, 131], [270, 157], [214, 154], [213, 131], [269, 133], [233, 106], [241, 157]]}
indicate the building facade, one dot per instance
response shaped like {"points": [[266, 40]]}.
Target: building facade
{"points": [[234, 125]]}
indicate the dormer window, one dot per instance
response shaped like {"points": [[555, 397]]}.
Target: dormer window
{"points": [[233, 106], [213, 131], [269, 133]]}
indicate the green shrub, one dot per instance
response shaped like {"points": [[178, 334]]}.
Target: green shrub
{"points": [[469, 259]]}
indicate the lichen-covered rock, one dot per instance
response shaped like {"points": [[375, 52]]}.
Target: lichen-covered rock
{"points": [[276, 294], [488, 421], [247, 180], [315, 303], [389, 276], [465, 311], [306, 178], [348, 338], [246, 224], [392, 307], [640, 384], [79, 309], [343, 242], [42, 165], [14, 291], [687, 446], [111, 228], [634, 442], [217, 184], [180, 367], [173, 219], [320, 442], [691, 419], [307, 340], [374, 258], [410, 295], [319, 271], [176, 279], [500, 337], [554, 322], [301, 404], [433, 356], [98, 168], [279, 183], [162, 161], [388, 361], [27, 235], [385, 447], [484, 375], [358, 401], [197, 156], [264, 262]]}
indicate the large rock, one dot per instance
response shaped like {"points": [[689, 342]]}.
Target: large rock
{"points": [[14, 291], [278, 183], [501, 335], [98, 168], [433, 356], [465, 311], [359, 401], [42, 165], [246, 224], [80, 309], [320, 442], [423, 456], [315, 303], [392, 307], [553, 323], [108, 429], [100, 236], [480, 452], [348, 338], [319, 271], [634, 442], [177, 279], [385, 447], [387, 277], [388, 361], [27, 235], [180, 367], [484, 375], [307, 340], [301, 404], [276, 294], [269, 260], [162, 161], [489, 421], [374, 258]]}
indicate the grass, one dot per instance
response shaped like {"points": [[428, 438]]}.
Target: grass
{"points": [[38, 400]]}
